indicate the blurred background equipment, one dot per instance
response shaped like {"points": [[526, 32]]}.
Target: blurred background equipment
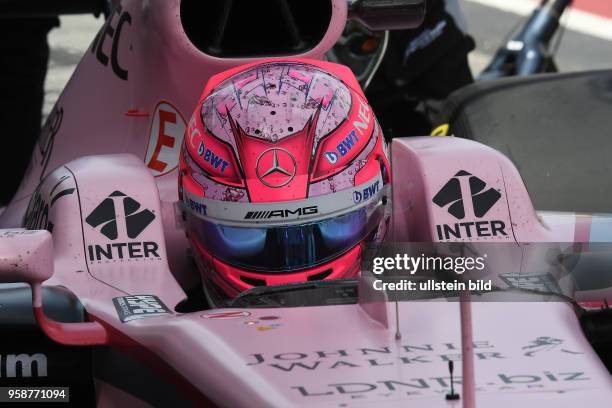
{"points": [[24, 54]]}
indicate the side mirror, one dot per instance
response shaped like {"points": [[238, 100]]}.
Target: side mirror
{"points": [[378, 15], [27, 256]]}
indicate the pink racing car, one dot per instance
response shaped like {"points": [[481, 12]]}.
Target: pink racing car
{"points": [[166, 249]]}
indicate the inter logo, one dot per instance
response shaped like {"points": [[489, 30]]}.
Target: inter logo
{"points": [[481, 199], [105, 216], [116, 216]]}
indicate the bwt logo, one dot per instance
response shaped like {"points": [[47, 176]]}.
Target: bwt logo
{"points": [[366, 193], [211, 157], [24, 365], [195, 206], [452, 197], [286, 213], [343, 148], [361, 124]]}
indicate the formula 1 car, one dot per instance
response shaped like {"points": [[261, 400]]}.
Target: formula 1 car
{"points": [[96, 232]]}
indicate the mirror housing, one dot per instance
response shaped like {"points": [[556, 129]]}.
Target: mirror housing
{"points": [[27, 256], [378, 15]]}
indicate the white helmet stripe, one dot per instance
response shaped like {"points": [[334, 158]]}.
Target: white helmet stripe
{"points": [[286, 212]]}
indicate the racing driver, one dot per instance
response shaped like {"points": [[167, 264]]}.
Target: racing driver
{"points": [[284, 175]]}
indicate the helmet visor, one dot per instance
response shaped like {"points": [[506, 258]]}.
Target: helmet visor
{"points": [[290, 247]]}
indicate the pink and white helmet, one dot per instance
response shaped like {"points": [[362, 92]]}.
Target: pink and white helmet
{"points": [[283, 175]]}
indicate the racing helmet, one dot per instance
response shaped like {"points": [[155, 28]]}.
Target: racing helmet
{"points": [[284, 174]]}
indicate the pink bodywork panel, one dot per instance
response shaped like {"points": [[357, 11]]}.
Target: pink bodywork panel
{"points": [[322, 356]]}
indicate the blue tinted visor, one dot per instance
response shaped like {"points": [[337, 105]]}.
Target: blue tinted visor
{"points": [[287, 248]]}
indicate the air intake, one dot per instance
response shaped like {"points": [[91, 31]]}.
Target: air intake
{"points": [[255, 28]]}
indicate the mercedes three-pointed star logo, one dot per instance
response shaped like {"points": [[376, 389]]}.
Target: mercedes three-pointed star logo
{"points": [[276, 167]]}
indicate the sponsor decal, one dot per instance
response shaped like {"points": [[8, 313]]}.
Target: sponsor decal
{"points": [[15, 233], [406, 354], [37, 214], [262, 324], [272, 326], [282, 174], [366, 193], [412, 354], [139, 307], [193, 131], [348, 143], [207, 149], [482, 200], [332, 157], [23, 365], [105, 215], [415, 356], [476, 206], [286, 213], [545, 344], [365, 116], [236, 314], [539, 282], [339, 149], [194, 206], [343, 148], [112, 30], [385, 388], [165, 139], [208, 155], [117, 216]]}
